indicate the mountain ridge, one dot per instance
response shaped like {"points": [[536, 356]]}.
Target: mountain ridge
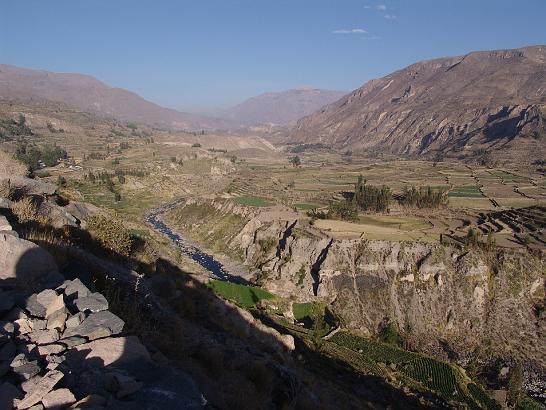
{"points": [[282, 107], [482, 99], [87, 93]]}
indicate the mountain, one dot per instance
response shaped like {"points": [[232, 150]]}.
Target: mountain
{"points": [[283, 107], [89, 94], [493, 100]]}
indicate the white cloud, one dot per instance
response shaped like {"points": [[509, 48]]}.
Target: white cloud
{"points": [[390, 16], [350, 31], [381, 7]]}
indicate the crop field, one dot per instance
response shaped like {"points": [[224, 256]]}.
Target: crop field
{"points": [[466, 191], [445, 379], [243, 295]]}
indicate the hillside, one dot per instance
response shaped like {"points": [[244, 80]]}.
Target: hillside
{"points": [[282, 107], [493, 100], [91, 95]]}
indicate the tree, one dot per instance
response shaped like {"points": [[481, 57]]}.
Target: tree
{"points": [[295, 161]]}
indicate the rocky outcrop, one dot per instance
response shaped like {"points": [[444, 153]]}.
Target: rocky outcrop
{"points": [[55, 351], [24, 263]]}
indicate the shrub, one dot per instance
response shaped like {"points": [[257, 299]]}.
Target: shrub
{"points": [[111, 233], [196, 145], [27, 211], [370, 198], [345, 210], [424, 197]]}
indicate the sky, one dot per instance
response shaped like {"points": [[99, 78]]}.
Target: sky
{"points": [[197, 55]]}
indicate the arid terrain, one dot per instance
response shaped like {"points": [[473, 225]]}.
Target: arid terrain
{"points": [[380, 254]]}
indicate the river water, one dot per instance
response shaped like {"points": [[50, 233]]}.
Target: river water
{"points": [[188, 248]]}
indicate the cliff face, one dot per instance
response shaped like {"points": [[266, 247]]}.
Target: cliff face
{"points": [[441, 298], [480, 100]]}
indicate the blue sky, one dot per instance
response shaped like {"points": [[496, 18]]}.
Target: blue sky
{"points": [[192, 54]]}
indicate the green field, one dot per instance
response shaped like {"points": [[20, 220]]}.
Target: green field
{"points": [[508, 176], [307, 311], [243, 295], [466, 191], [252, 201], [441, 377]]}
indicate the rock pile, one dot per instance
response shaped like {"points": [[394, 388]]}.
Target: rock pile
{"points": [[62, 348]]}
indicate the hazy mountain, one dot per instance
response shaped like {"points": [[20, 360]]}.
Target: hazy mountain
{"points": [[490, 99], [89, 94], [282, 107]]}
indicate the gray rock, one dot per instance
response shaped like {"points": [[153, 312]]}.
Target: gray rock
{"points": [[39, 324], [58, 399], [32, 186], [44, 337], [23, 326], [51, 349], [122, 385], [57, 320], [27, 370], [38, 406], [8, 394], [45, 304], [75, 320], [19, 360], [112, 350], [40, 390], [25, 264], [73, 341], [74, 289], [100, 324], [95, 302]]}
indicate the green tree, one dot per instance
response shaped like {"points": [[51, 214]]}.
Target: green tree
{"points": [[295, 161]]}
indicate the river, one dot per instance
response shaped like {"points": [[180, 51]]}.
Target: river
{"points": [[154, 217]]}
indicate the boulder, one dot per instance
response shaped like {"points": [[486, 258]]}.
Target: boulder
{"points": [[51, 349], [57, 320], [100, 324], [95, 302], [74, 321], [25, 264], [44, 337], [45, 304], [74, 289], [58, 399], [27, 370], [114, 350], [41, 389], [30, 186]]}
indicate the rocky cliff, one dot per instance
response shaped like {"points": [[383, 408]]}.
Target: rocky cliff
{"points": [[492, 100], [444, 300]]}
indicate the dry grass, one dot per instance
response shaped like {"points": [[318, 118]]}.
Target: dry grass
{"points": [[27, 211], [10, 166]]}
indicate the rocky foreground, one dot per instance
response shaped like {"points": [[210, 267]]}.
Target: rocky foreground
{"points": [[60, 346]]}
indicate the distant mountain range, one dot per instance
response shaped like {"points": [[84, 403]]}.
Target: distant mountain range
{"points": [[88, 94], [91, 95], [282, 107], [490, 100]]}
